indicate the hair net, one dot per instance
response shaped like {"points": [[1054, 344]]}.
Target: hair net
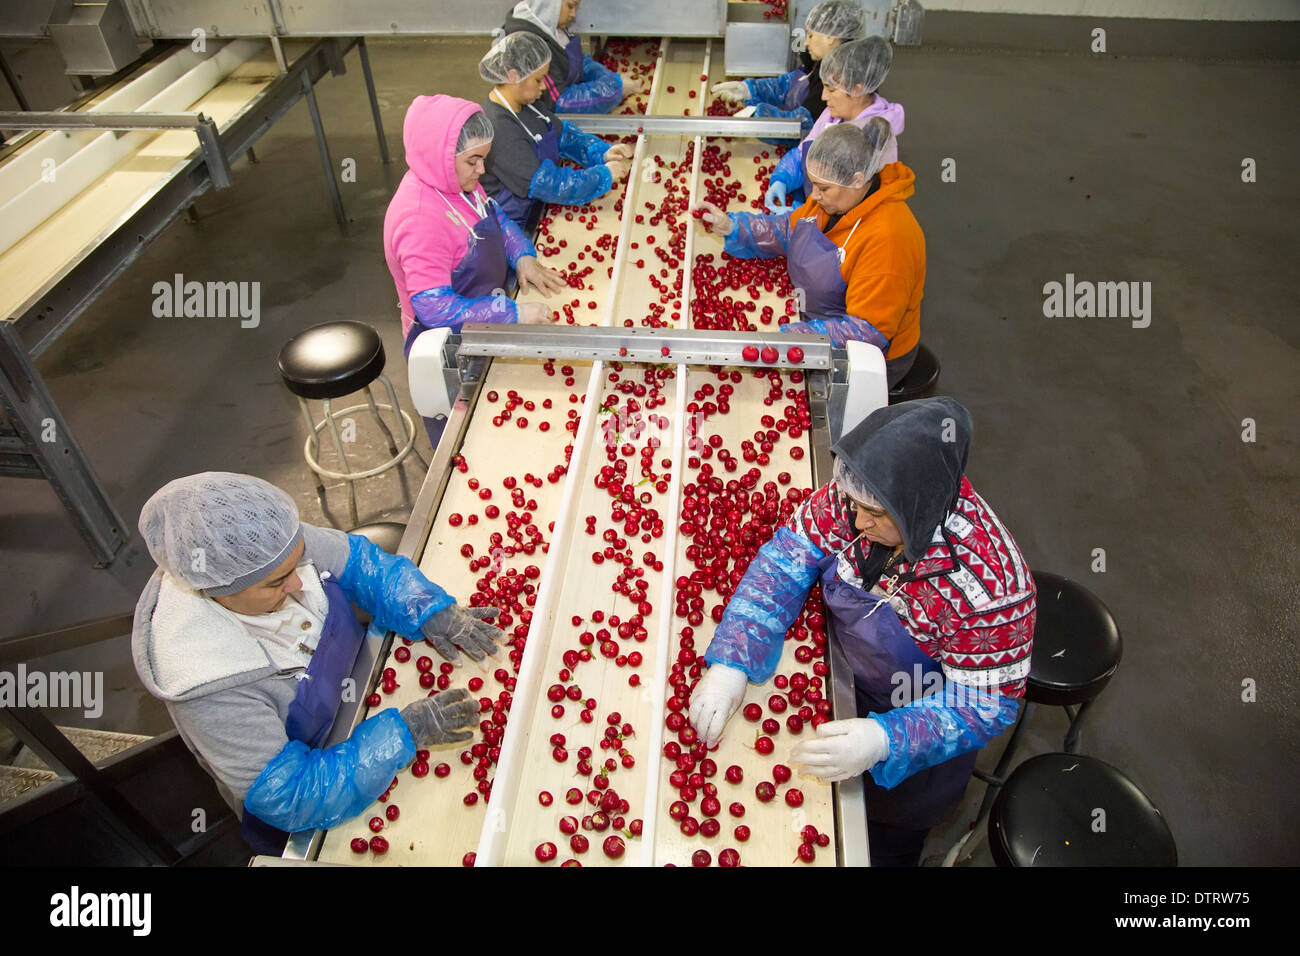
{"points": [[841, 19], [844, 150], [476, 131], [851, 486], [219, 532], [858, 63], [524, 53]]}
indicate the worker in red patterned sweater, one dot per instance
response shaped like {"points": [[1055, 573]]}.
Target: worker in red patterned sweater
{"points": [[930, 599]]}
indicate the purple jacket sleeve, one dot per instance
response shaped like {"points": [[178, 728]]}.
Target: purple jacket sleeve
{"points": [[758, 237]]}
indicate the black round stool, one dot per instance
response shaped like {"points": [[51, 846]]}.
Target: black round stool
{"points": [[327, 362], [1076, 652], [921, 380], [1074, 810]]}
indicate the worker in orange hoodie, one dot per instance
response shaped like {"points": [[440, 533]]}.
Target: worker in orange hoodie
{"points": [[854, 247]]}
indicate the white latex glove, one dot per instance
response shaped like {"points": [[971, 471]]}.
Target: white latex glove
{"points": [[842, 749], [534, 313], [618, 169], [715, 220], [747, 112], [733, 91], [715, 698], [535, 277], [621, 151]]}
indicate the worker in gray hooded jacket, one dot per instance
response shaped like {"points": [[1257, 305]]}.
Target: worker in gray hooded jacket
{"points": [[247, 632]]}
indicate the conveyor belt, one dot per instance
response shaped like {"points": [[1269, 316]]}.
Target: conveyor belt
{"points": [[557, 594]]}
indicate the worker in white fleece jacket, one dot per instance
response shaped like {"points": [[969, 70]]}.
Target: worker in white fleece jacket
{"points": [[247, 632]]}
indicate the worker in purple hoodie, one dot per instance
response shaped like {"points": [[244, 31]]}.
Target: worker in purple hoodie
{"points": [[450, 248]]}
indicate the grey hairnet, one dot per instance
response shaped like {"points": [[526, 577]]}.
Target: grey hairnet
{"points": [[220, 532], [843, 150], [524, 53], [476, 131], [842, 19], [859, 66]]}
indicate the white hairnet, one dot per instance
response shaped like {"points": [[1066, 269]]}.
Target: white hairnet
{"points": [[849, 484], [220, 532], [842, 19], [476, 131], [858, 63], [524, 53], [844, 150]]}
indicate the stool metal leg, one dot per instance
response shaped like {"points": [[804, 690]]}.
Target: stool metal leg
{"points": [[1076, 727], [315, 449], [338, 443], [407, 435], [374, 411]]}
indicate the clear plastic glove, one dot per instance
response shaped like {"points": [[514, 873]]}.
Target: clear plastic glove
{"points": [[534, 313], [715, 220], [455, 626], [441, 719], [746, 113], [535, 277], [714, 699], [775, 199], [732, 91], [618, 169], [843, 749], [621, 151]]}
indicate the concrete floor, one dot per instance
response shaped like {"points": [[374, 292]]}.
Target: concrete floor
{"points": [[1089, 433]]}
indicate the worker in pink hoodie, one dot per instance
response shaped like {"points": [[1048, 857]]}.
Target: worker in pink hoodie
{"points": [[449, 247], [851, 74]]}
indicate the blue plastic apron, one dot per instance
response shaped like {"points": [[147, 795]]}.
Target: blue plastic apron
{"points": [[484, 269], [878, 648], [311, 714], [545, 146]]}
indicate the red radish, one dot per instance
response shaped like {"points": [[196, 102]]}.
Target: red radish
{"points": [[392, 812], [614, 847], [764, 745], [701, 858], [378, 845], [753, 712], [578, 843], [737, 809], [781, 773], [568, 825], [742, 833], [710, 827], [545, 798], [765, 791], [807, 853], [794, 797], [420, 768], [794, 354], [729, 857], [735, 774], [468, 859], [570, 863], [360, 845], [441, 770], [750, 353], [573, 797], [545, 852], [376, 824]]}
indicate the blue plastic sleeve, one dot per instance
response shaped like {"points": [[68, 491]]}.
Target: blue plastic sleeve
{"points": [[583, 148], [391, 588], [302, 789], [569, 187], [600, 90], [518, 245], [805, 118], [841, 331], [937, 728], [766, 603], [758, 237], [789, 170], [443, 308], [771, 90]]}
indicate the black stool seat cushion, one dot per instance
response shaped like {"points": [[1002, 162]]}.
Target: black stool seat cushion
{"points": [[1076, 643], [1044, 816], [331, 360], [385, 534], [920, 380]]}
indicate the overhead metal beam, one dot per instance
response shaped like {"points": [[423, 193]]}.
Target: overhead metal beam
{"points": [[751, 128]]}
